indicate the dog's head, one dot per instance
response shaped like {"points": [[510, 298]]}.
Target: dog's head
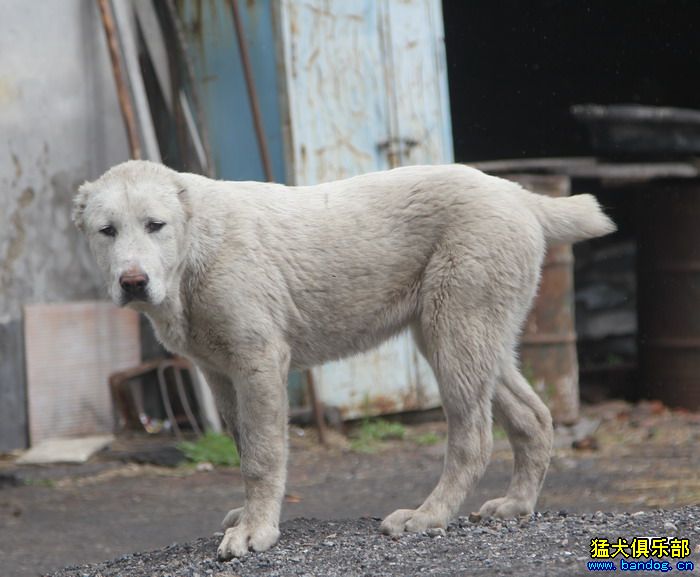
{"points": [[135, 218]]}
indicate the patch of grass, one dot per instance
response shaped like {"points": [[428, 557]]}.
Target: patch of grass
{"points": [[372, 431], [499, 433], [34, 482], [428, 439], [214, 448]]}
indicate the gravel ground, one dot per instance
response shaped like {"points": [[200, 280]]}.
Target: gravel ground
{"points": [[545, 544]]}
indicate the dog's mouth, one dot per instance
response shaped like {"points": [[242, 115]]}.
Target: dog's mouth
{"points": [[133, 297], [128, 298]]}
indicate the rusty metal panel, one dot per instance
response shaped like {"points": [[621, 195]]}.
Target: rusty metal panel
{"points": [[669, 293], [378, 382], [548, 345], [70, 351], [366, 90]]}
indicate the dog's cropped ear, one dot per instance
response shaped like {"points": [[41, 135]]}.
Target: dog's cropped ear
{"points": [[79, 203]]}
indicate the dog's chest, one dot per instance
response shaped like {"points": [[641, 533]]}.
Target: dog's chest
{"points": [[172, 336]]}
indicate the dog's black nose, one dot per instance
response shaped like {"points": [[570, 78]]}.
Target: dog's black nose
{"points": [[134, 283]]}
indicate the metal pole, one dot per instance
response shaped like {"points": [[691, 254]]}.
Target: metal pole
{"points": [[252, 93], [316, 408], [122, 88]]}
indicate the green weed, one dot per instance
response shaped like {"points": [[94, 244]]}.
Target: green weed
{"points": [[372, 431], [499, 433], [215, 448], [36, 482], [428, 439]]}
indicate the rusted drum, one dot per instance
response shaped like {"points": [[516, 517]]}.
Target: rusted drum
{"points": [[548, 346], [669, 292]]}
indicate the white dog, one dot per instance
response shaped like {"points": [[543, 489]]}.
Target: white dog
{"points": [[249, 279]]}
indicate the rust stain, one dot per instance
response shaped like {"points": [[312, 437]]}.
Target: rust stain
{"points": [[17, 243], [193, 20], [302, 154], [26, 197], [18, 167], [14, 250], [312, 59], [381, 405], [293, 24]]}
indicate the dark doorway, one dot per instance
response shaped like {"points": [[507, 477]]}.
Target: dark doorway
{"points": [[515, 67]]}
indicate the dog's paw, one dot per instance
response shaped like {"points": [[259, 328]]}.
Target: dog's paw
{"points": [[505, 507], [411, 521], [231, 518], [244, 536]]}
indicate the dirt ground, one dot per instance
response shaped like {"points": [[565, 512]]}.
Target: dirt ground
{"points": [[638, 458]]}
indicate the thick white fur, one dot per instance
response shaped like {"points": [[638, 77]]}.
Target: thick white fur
{"points": [[249, 279]]}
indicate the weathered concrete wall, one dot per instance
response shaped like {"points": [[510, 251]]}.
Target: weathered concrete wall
{"points": [[59, 125]]}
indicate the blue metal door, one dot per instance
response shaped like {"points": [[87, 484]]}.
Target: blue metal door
{"points": [[366, 89]]}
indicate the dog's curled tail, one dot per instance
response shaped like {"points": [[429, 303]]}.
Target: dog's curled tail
{"points": [[570, 219]]}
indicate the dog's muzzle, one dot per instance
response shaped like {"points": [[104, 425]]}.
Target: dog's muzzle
{"points": [[134, 286]]}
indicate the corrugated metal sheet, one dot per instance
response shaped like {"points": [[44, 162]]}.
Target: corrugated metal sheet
{"points": [[70, 351], [367, 90]]}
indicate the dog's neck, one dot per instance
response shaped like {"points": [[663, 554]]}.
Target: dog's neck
{"points": [[170, 323]]}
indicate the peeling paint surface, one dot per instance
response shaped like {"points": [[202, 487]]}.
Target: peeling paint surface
{"points": [[419, 80], [367, 90], [335, 86]]}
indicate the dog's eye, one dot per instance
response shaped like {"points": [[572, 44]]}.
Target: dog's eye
{"points": [[108, 230], [154, 225]]}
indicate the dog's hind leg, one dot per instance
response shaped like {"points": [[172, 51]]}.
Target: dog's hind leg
{"points": [[464, 370], [464, 327], [528, 423]]}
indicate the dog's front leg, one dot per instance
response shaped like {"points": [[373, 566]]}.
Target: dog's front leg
{"points": [[261, 392]]}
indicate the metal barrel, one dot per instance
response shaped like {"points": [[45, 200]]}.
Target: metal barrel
{"points": [[669, 292], [548, 346]]}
